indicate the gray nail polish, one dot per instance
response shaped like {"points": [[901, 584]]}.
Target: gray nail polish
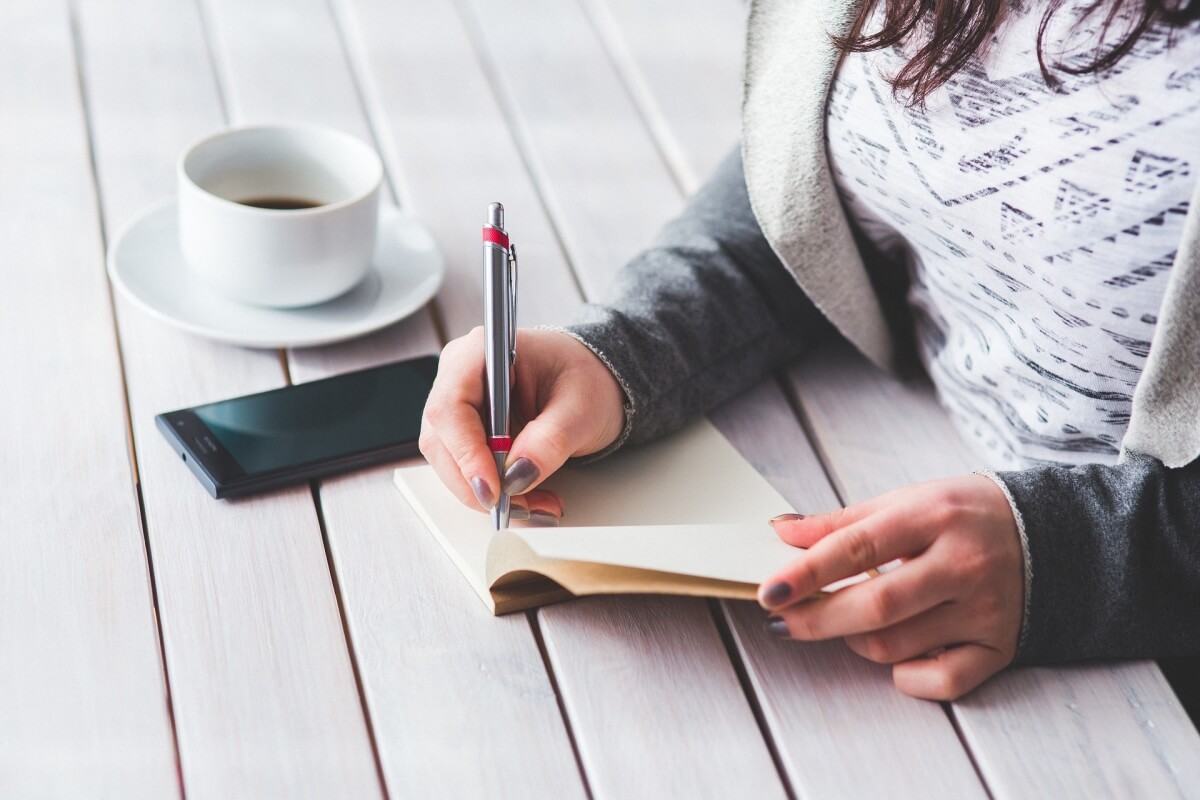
{"points": [[777, 594], [777, 627], [543, 519], [483, 493], [789, 517], [519, 476], [518, 512]]}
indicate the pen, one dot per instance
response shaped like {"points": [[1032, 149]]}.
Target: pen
{"points": [[500, 335]]}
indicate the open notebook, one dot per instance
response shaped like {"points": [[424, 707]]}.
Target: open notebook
{"points": [[685, 515]]}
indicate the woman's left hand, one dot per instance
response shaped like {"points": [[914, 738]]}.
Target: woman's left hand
{"points": [[947, 619]]}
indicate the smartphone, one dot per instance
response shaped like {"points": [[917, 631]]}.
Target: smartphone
{"points": [[263, 441]]}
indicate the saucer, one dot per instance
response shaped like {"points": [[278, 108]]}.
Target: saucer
{"points": [[146, 265]]}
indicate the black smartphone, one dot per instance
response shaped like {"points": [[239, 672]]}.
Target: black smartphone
{"points": [[271, 439]]}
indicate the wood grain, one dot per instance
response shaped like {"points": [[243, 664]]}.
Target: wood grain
{"points": [[555, 91], [83, 701], [460, 704], [264, 693], [683, 68]]}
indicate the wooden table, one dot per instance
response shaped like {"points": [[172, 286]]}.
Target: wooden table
{"points": [[316, 642]]}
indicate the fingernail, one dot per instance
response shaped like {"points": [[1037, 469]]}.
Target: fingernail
{"points": [[519, 476], [543, 519], [483, 493], [518, 512], [788, 517], [777, 627], [777, 594]]}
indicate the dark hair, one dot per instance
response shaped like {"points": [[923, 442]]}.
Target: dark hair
{"points": [[946, 33]]}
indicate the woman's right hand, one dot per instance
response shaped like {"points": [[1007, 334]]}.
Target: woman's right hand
{"points": [[566, 403]]}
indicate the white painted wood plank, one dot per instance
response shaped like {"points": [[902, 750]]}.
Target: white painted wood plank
{"points": [[1096, 730], [265, 698], [437, 122], [1089, 731], [556, 86], [460, 703], [600, 175], [683, 66], [655, 703], [831, 712], [908, 439], [845, 730], [439, 38], [83, 705]]}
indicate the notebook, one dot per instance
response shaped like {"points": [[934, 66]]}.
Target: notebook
{"points": [[685, 515]]}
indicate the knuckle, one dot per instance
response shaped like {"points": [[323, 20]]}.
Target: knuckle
{"points": [[877, 648], [883, 607], [860, 546], [552, 438]]}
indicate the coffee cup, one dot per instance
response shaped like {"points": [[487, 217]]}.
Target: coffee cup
{"points": [[279, 216]]}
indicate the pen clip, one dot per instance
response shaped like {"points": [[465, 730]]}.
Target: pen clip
{"points": [[512, 303]]}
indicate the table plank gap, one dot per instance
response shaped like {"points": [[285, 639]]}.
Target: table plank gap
{"points": [[458, 704], [504, 102], [716, 610], [341, 605], [80, 665], [536, 627], [693, 119], [567, 101], [263, 693]]}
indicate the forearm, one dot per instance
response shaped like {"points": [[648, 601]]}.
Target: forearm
{"points": [[702, 314], [1115, 560]]}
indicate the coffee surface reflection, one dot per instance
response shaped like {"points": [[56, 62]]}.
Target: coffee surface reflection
{"points": [[281, 203]]}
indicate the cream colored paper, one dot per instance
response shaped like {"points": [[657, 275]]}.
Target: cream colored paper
{"points": [[688, 505]]}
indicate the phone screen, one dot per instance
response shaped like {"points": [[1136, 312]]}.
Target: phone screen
{"points": [[334, 421]]}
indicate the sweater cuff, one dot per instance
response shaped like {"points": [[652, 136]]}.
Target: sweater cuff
{"points": [[630, 405], [1028, 561]]}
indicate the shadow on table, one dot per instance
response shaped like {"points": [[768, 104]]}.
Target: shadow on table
{"points": [[1184, 676]]}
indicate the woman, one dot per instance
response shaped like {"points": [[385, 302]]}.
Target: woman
{"points": [[1008, 190]]}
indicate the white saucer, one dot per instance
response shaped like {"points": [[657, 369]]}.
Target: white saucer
{"points": [[145, 264]]}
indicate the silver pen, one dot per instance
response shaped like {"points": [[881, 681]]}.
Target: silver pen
{"points": [[500, 334]]}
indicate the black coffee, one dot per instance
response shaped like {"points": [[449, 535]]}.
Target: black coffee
{"points": [[282, 203]]}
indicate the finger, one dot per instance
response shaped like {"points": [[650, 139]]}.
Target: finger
{"points": [[876, 539], [872, 605], [543, 445], [800, 530], [950, 674], [448, 472], [941, 626], [458, 429]]}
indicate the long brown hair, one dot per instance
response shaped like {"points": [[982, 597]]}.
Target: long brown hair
{"points": [[945, 34]]}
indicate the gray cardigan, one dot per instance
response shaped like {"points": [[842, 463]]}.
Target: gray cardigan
{"points": [[763, 265]]}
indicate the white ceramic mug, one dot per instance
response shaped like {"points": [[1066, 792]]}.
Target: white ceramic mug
{"points": [[271, 256]]}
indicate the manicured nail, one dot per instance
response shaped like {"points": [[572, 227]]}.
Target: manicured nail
{"points": [[788, 517], [483, 493], [543, 519], [519, 476], [777, 594], [777, 627], [518, 512]]}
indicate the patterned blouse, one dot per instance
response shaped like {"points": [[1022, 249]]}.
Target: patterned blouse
{"points": [[1038, 225]]}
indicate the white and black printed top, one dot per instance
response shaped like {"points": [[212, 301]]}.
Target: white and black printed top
{"points": [[1038, 225]]}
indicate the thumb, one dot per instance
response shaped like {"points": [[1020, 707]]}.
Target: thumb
{"points": [[799, 530], [544, 445]]}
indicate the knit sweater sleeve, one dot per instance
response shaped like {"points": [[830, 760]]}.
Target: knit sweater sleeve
{"points": [[702, 314]]}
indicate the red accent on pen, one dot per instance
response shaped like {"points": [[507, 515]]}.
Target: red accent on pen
{"points": [[499, 444], [494, 236]]}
